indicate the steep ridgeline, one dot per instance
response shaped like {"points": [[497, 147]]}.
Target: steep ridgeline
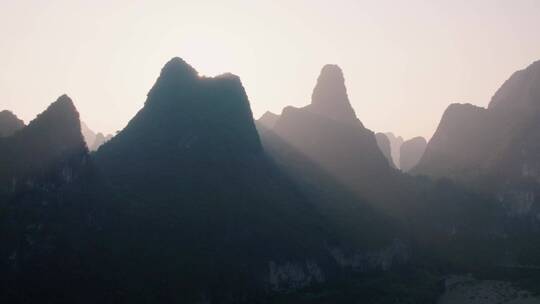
{"points": [[494, 149], [411, 152], [9, 123], [395, 146], [384, 144], [44, 228], [329, 134], [204, 215]]}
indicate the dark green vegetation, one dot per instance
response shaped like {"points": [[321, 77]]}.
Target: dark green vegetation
{"points": [[193, 203]]}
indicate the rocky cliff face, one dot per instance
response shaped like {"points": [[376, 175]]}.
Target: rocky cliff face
{"points": [[45, 212], [471, 142], [9, 123], [411, 152]]}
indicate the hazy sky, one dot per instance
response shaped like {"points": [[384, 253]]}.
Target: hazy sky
{"points": [[404, 61]]}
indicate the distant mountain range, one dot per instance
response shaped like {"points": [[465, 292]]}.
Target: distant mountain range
{"points": [[93, 140], [195, 202]]}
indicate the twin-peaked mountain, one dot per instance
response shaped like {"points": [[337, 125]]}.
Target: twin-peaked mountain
{"points": [[36, 150], [47, 216]]}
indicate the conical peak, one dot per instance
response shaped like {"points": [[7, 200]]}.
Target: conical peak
{"points": [[63, 108], [61, 113], [202, 111], [63, 102], [332, 72], [330, 95]]}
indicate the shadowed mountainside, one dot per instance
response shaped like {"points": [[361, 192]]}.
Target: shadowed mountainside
{"points": [[9, 123], [384, 145], [492, 149], [411, 152], [203, 192]]}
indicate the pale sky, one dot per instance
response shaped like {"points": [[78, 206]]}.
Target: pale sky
{"points": [[404, 61]]}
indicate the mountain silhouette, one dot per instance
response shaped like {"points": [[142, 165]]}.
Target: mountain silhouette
{"points": [[194, 202], [203, 192], [9, 123], [268, 119], [52, 137], [411, 152], [330, 97], [384, 144], [474, 144], [93, 140], [395, 146], [329, 134]]}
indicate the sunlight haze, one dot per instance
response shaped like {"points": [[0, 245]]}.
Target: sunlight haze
{"points": [[404, 61]]}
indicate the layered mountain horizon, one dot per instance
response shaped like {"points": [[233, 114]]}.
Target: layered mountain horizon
{"points": [[195, 202]]}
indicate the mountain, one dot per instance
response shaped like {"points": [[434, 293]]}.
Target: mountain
{"points": [[491, 147], [203, 207], [411, 152], [329, 134], [268, 119], [47, 218], [49, 139], [336, 158], [9, 123], [395, 146], [88, 135], [330, 97], [386, 149]]}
